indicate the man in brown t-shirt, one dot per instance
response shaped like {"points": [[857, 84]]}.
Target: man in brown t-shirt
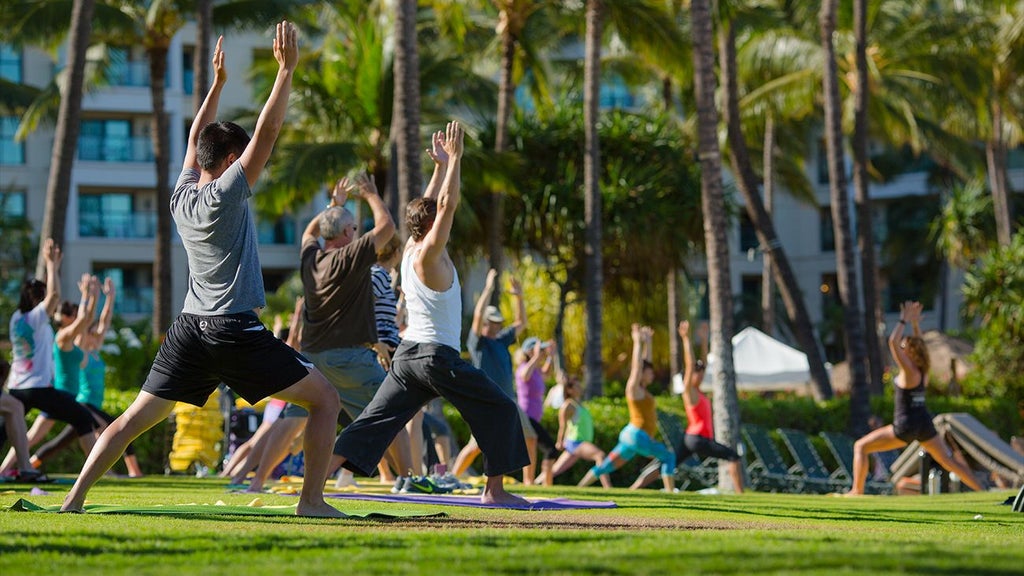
{"points": [[339, 329]]}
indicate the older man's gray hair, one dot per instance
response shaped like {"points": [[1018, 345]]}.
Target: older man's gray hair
{"points": [[334, 221]]}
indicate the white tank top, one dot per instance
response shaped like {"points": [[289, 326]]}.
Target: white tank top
{"points": [[433, 317]]}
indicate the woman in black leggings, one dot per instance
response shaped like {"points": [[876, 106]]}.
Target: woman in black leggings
{"points": [[911, 419]]}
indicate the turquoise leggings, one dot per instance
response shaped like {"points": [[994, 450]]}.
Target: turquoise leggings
{"points": [[634, 441]]}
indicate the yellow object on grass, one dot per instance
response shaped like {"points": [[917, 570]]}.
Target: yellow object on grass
{"points": [[198, 434]]}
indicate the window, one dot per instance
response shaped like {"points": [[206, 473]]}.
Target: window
{"points": [[615, 94], [749, 312], [116, 215], [10, 63], [188, 69], [12, 205], [281, 231], [11, 152], [827, 235], [122, 70], [134, 285], [748, 234], [111, 140]]}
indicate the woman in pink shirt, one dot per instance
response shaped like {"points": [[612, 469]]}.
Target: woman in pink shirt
{"points": [[532, 361]]}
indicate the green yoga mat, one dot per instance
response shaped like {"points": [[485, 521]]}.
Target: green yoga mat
{"points": [[23, 505]]}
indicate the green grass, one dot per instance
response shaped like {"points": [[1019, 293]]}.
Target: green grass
{"points": [[650, 533]]}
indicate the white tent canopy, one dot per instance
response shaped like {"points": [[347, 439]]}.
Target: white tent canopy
{"points": [[762, 364]]}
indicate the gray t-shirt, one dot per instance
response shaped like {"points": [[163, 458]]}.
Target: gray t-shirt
{"points": [[492, 356], [219, 234]]}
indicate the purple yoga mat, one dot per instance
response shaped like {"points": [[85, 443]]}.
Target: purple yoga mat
{"points": [[474, 501]]}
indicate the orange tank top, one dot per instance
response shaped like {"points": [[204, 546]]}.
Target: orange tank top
{"points": [[642, 414]]}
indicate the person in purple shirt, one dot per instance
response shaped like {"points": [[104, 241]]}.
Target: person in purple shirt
{"points": [[533, 361]]}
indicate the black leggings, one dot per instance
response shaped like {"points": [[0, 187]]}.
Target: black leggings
{"points": [[58, 405], [67, 436], [544, 441]]}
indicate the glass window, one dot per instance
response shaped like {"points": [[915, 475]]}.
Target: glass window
{"points": [[111, 140], [280, 231], [748, 235], [11, 152], [827, 235], [12, 204], [113, 215], [188, 69], [10, 63], [134, 285]]}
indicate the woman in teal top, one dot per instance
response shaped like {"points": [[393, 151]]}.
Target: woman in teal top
{"points": [[82, 372], [576, 432]]}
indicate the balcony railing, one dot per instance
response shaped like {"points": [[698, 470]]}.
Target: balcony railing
{"points": [[115, 149], [140, 225], [129, 73], [133, 300]]}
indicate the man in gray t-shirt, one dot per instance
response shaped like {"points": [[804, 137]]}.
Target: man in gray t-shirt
{"points": [[218, 337]]}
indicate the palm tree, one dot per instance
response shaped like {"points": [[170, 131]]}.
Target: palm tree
{"points": [[860, 408], [747, 183], [717, 244], [65, 138], [405, 118], [201, 58], [862, 200], [593, 362]]}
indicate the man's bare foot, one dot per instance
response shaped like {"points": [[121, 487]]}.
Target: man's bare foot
{"points": [[318, 510], [852, 494], [253, 489], [72, 507], [494, 493]]}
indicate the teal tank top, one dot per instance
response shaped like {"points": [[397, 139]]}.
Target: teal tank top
{"points": [[581, 427], [66, 369], [92, 381]]}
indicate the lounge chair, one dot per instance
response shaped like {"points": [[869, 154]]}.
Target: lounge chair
{"points": [[809, 464], [768, 471], [982, 445], [841, 447]]}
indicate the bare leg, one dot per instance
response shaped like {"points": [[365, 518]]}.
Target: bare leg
{"points": [[589, 477], [546, 467], [737, 476], [414, 438], [529, 469], [442, 445], [669, 482], [466, 456], [318, 396], [943, 455], [40, 428], [564, 462], [591, 452], [144, 413], [279, 440], [237, 458], [877, 440], [645, 479], [400, 452], [14, 422], [132, 462], [494, 493]]}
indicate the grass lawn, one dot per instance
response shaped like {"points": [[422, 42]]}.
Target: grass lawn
{"points": [[650, 532]]}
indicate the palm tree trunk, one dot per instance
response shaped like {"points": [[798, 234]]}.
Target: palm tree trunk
{"points": [[747, 182], [862, 200], [767, 286], [593, 281], [726, 406], [162, 286], [995, 156], [845, 260], [672, 277], [405, 118], [203, 52], [506, 87], [65, 137]]}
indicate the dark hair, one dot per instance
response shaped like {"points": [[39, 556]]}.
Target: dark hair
{"points": [[32, 293], [68, 309], [217, 140], [699, 366], [648, 365], [419, 217], [5, 369], [284, 333]]}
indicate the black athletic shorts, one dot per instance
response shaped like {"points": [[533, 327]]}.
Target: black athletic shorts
{"points": [[200, 352], [915, 426], [705, 448]]}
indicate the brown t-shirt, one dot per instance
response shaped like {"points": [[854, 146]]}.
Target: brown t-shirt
{"points": [[339, 295]]}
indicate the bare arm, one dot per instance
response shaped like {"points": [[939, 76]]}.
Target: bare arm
{"points": [[268, 126], [383, 225], [107, 314], [534, 362], [481, 302], [633, 388], [689, 385], [915, 318], [564, 415], [52, 257], [207, 113], [436, 240], [516, 291], [910, 371], [65, 337], [295, 326], [440, 158]]}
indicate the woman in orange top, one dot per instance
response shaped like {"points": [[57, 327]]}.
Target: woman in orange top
{"points": [[700, 435], [638, 436]]}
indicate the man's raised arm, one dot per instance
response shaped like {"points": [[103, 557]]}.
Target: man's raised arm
{"points": [[208, 111], [481, 302], [448, 198], [438, 154], [383, 225], [268, 126]]}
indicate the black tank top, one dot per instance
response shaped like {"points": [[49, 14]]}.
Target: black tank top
{"points": [[909, 402]]}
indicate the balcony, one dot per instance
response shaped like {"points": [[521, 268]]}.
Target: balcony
{"points": [[115, 149], [125, 225], [131, 73]]}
